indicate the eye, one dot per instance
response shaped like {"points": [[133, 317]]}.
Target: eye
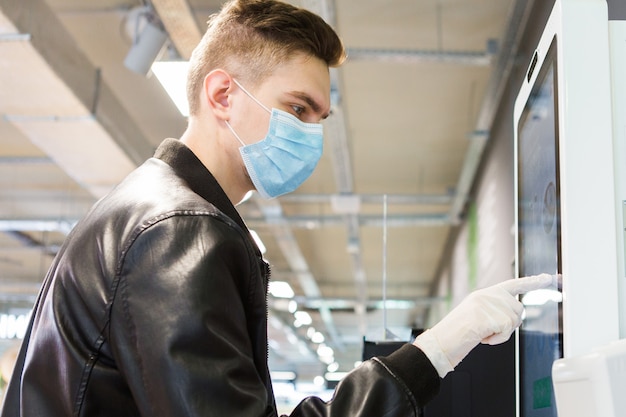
{"points": [[298, 110]]}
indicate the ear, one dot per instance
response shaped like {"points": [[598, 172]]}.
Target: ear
{"points": [[217, 87]]}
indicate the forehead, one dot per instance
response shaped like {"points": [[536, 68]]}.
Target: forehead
{"points": [[301, 75]]}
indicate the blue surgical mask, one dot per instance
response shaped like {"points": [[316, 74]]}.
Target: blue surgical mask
{"points": [[286, 157]]}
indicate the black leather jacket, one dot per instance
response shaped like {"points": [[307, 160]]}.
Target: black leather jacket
{"points": [[156, 306]]}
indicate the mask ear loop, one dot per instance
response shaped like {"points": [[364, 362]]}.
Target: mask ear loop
{"points": [[251, 96], [255, 100], [234, 133]]}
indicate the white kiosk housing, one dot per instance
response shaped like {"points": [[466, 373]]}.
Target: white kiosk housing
{"points": [[595, 383], [565, 198], [617, 44]]}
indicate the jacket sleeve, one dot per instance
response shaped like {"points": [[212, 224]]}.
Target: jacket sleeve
{"points": [[178, 325], [394, 386]]}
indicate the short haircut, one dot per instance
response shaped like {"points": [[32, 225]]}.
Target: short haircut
{"points": [[250, 38]]}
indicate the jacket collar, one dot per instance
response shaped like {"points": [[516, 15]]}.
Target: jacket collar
{"points": [[187, 166]]}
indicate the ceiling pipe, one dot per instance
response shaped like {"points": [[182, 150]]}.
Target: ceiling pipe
{"points": [[37, 225], [408, 56], [314, 221], [333, 220], [18, 292], [372, 304], [378, 199], [39, 28]]}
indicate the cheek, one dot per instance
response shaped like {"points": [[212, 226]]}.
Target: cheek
{"points": [[251, 123], [256, 126]]}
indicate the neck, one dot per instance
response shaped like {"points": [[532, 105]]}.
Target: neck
{"points": [[219, 156]]}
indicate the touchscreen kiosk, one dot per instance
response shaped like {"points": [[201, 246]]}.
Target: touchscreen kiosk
{"points": [[539, 239], [564, 191]]}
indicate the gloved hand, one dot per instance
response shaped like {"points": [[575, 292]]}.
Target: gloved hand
{"points": [[488, 316]]}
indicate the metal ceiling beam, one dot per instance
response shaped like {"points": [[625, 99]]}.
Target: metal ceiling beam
{"points": [[336, 134], [180, 24], [494, 91], [288, 245], [279, 324], [337, 138]]}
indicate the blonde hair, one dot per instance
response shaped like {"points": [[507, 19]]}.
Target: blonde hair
{"points": [[249, 38]]}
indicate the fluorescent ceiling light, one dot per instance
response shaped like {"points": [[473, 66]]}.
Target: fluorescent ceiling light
{"points": [[325, 354], [281, 289], [317, 337], [319, 381], [303, 318], [324, 350], [333, 367], [173, 77], [335, 376], [283, 375]]}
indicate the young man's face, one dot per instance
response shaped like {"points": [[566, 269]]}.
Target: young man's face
{"points": [[300, 87]]}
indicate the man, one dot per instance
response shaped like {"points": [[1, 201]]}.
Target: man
{"points": [[156, 303]]}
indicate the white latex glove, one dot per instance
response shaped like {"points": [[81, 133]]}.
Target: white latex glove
{"points": [[487, 316]]}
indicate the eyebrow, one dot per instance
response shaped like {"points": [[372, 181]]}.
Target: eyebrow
{"points": [[312, 103]]}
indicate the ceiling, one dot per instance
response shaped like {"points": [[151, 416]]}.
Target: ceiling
{"points": [[360, 242]]}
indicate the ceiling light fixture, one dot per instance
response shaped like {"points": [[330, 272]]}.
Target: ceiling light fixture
{"points": [[281, 289], [148, 36], [302, 319]]}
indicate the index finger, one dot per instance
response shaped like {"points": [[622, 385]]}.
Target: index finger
{"points": [[531, 283]]}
